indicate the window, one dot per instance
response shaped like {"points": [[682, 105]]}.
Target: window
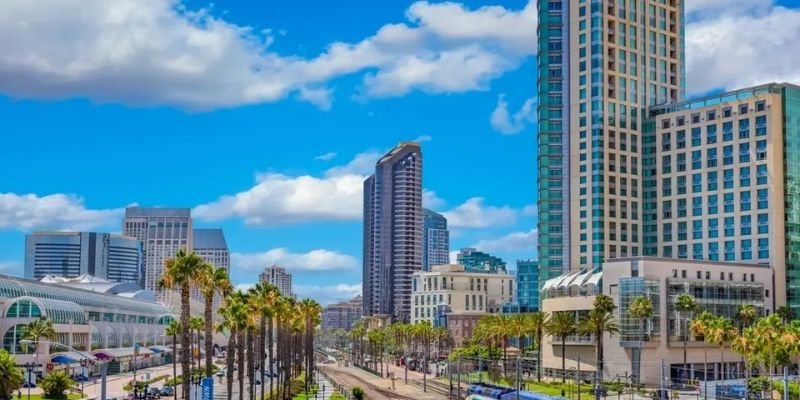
{"points": [[713, 251], [761, 125], [697, 229], [762, 199], [666, 186], [761, 150], [727, 155], [761, 105], [745, 225], [711, 178], [682, 231], [713, 228], [730, 249], [666, 209], [680, 138], [747, 249], [727, 131], [728, 202], [744, 201], [667, 232], [711, 115], [711, 134], [761, 174], [727, 112], [712, 204], [697, 206], [729, 230], [697, 251], [696, 136], [744, 176], [681, 162], [744, 152], [682, 184], [666, 164], [682, 251], [697, 159], [743, 108], [763, 248], [711, 158], [667, 251], [697, 183], [727, 179], [681, 208], [744, 128], [763, 223]]}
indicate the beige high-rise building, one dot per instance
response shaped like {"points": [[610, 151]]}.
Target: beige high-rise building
{"points": [[278, 277]]}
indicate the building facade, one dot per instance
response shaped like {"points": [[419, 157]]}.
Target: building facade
{"points": [[451, 289], [72, 254], [279, 278], [435, 240], [342, 315], [163, 231], [211, 245], [718, 287], [102, 318], [528, 285], [393, 232], [477, 261], [602, 64]]}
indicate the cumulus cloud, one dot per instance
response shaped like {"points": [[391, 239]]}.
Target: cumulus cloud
{"points": [[314, 260], [327, 294], [737, 44], [159, 52], [56, 211], [326, 157], [431, 200], [278, 199], [423, 139], [530, 210], [515, 241], [502, 121], [473, 213]]}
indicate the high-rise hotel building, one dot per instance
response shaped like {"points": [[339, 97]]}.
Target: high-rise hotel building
{"points": [[393, 225], [601, 64], [629, 168]]}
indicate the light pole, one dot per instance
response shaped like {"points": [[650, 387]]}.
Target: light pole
{"points": [[29, 367], [103, 365]]}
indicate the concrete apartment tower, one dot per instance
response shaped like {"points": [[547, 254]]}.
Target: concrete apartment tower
{"points": [[602, 64], [393, 226], [212, 246], [162, 231], [278, 277]]}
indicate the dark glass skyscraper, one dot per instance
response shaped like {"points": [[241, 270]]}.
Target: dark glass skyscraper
{"points": [[393, 231]]}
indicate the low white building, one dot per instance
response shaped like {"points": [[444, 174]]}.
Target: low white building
{"points": [[449, 289]]}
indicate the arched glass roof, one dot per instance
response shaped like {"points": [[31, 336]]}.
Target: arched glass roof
{"points": [[14, 287]]}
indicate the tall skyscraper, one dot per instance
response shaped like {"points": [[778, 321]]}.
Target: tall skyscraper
{"points": [[477, 261], [528, 285], [278, 277], [393, 232], [71, 254], [435, 240], [211, 245], [602, 64], [163, 231]]}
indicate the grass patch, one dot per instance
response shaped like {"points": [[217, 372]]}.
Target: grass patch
{"points": [[337, 396], [70, 396]]}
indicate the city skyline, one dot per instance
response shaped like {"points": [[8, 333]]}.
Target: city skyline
{"points": [[281, 172]]}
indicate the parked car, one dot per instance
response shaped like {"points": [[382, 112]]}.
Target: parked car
{"points": [[154, 392], [221, 373], [29, 385], [167, 391]]}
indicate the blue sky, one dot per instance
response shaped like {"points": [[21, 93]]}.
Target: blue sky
{"points": [[264, 118]]}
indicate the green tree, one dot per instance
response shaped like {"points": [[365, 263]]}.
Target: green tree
{"points": [[197, 324], [55, 384], [265, 296], [358, 393], [212, 282], [599, 322], [561, 325], [641, 308], [173, 330], [785, 313], [180, 273], [685, 305], [699, 327], [536, 324], [720, 332], [310, 313], [747, 314], [40, 329], [11, 378]]}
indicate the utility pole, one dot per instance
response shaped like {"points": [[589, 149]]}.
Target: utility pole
{"points": [[577, 379], [786, 383]]}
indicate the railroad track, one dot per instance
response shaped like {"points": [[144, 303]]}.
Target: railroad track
{"points": [[349, 380], [438, 387]]}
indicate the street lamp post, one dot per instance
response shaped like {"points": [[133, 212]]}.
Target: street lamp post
{"points": [[103, 365], [29, 367], [84, 364]]}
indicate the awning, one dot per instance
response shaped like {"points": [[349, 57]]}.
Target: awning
{"points": [[70, 357], [110, 354], [160, 349]]}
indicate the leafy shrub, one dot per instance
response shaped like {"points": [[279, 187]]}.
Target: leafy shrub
{"points": [[55, 384], [358, 393]]}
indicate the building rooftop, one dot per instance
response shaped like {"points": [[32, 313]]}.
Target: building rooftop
{"points": [[157, 212], [208, 239], [710, 100]]}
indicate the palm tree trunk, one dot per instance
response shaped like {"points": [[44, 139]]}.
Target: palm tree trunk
{"points": [[262, 351], [563, 359], [600, 355], [250, 363], [722, 361], [209, 332], [229, 360], [685, 365], [175, 364], [269, 349], [240, 361], [186, 339]]}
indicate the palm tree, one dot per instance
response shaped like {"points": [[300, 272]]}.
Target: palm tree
{"points": [[310, 312], [604, 303], [181, 273], [266, 295], [423, 332], [641, 308], [212, 281], [536, 324], [744, 344], [699, 328], [173, 329], [721, 332], [11, 378], [599, 322], [746, 315], [768, 332], [785, 313], [685, 304], [233, 314], [197, 325], [39, 329], [561, 325]]}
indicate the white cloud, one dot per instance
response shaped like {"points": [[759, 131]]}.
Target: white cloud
{"points": [[13, 268], [508, 124], [326, 157], [158, 52], [280, 199], [516, 241], [243, 287], [530, 210], [474, 214], [423, 139], [314, 260], [327, 294], [454, 257], [56, 211], [737, 44], [431, 200]]}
